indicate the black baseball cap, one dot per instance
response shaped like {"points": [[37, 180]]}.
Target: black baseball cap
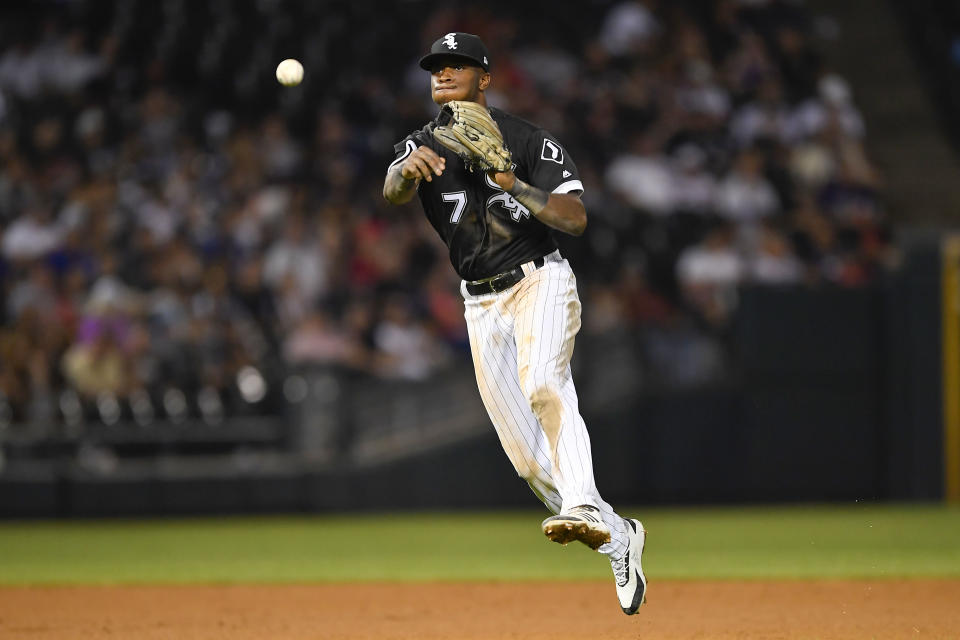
{"points": [[458, 45]]}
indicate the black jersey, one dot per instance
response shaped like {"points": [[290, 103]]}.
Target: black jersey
{"points": [[486, 229]]}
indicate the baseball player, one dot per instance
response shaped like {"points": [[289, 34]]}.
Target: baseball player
{"points": [[495, 188]]}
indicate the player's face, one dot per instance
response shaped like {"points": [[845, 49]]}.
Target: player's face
{"points": [[454, 79]]}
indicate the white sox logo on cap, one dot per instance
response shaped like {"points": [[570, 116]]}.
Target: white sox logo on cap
{"points": [[457, 45]]}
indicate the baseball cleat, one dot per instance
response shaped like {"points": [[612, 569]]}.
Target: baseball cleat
{"points": [[581, 523], [628, 571]]}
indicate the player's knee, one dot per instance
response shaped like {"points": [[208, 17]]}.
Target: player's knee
{"points": [[546, 404], [542, 392]]}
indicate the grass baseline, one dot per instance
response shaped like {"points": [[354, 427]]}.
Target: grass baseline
{"points": [[859, 540]]}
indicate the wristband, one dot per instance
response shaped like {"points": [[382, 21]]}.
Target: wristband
{"points": [[529, 196]]}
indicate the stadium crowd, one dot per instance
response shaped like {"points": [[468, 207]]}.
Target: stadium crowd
{"points": [[172, 218]]}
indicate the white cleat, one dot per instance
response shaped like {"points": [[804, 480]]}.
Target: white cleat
{"points": [[628, 570], [581, 523]]}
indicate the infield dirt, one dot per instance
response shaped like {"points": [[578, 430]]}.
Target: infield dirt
{"points": [[677, 610]]}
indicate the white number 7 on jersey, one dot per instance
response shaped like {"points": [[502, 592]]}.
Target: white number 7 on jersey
{"points": [[460, 198]]}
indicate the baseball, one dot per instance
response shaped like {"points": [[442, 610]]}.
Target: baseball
{"points": [[290, 72]]}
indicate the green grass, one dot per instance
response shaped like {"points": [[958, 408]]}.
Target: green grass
{"points": [[782, 542]]}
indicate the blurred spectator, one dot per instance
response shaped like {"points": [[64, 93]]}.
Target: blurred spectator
{"points": [[709, 274], [444, 306], [551, 68], [642, 177], [699, 97], [831, 106], [96, 363], [773, 261], [409, 349], [629, 28], [744, 195], [35, 293], [296, 267], [749, 64], [765, 118], [32, 235], [694, 187], [318, 340]]}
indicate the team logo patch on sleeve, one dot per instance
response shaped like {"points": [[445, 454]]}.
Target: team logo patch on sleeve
{"points": [[551, 151]]}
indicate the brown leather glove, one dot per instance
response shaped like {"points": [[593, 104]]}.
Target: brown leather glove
{"points": [[467, 129]]}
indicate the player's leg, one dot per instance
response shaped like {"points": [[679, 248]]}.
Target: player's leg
{"points": [[490, 327], [495, 355], [547, 319]]}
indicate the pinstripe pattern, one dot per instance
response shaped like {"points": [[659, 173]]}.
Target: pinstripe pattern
{"points": [[522, 341]]}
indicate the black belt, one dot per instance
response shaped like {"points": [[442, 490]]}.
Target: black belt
{"points": [[499, 282]]}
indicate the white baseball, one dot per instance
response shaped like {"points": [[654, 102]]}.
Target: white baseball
{"points": [[290, 72]]}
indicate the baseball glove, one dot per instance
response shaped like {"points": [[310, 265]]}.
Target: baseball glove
{"points": [[467, 129]]}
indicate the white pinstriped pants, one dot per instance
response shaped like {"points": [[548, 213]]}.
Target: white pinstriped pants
{"points": [[522, 341]]}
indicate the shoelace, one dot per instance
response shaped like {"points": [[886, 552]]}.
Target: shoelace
{"points": [[621, 569]]}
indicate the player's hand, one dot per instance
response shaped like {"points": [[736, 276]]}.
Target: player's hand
{"points": [[504, 179], [423, 163]]}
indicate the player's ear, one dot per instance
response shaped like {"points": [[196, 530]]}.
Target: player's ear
{"points": [[484, 81]]}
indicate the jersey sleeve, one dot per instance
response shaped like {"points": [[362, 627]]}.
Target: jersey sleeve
{"points": [[403, 149], [407, 146], [549, 165]]}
